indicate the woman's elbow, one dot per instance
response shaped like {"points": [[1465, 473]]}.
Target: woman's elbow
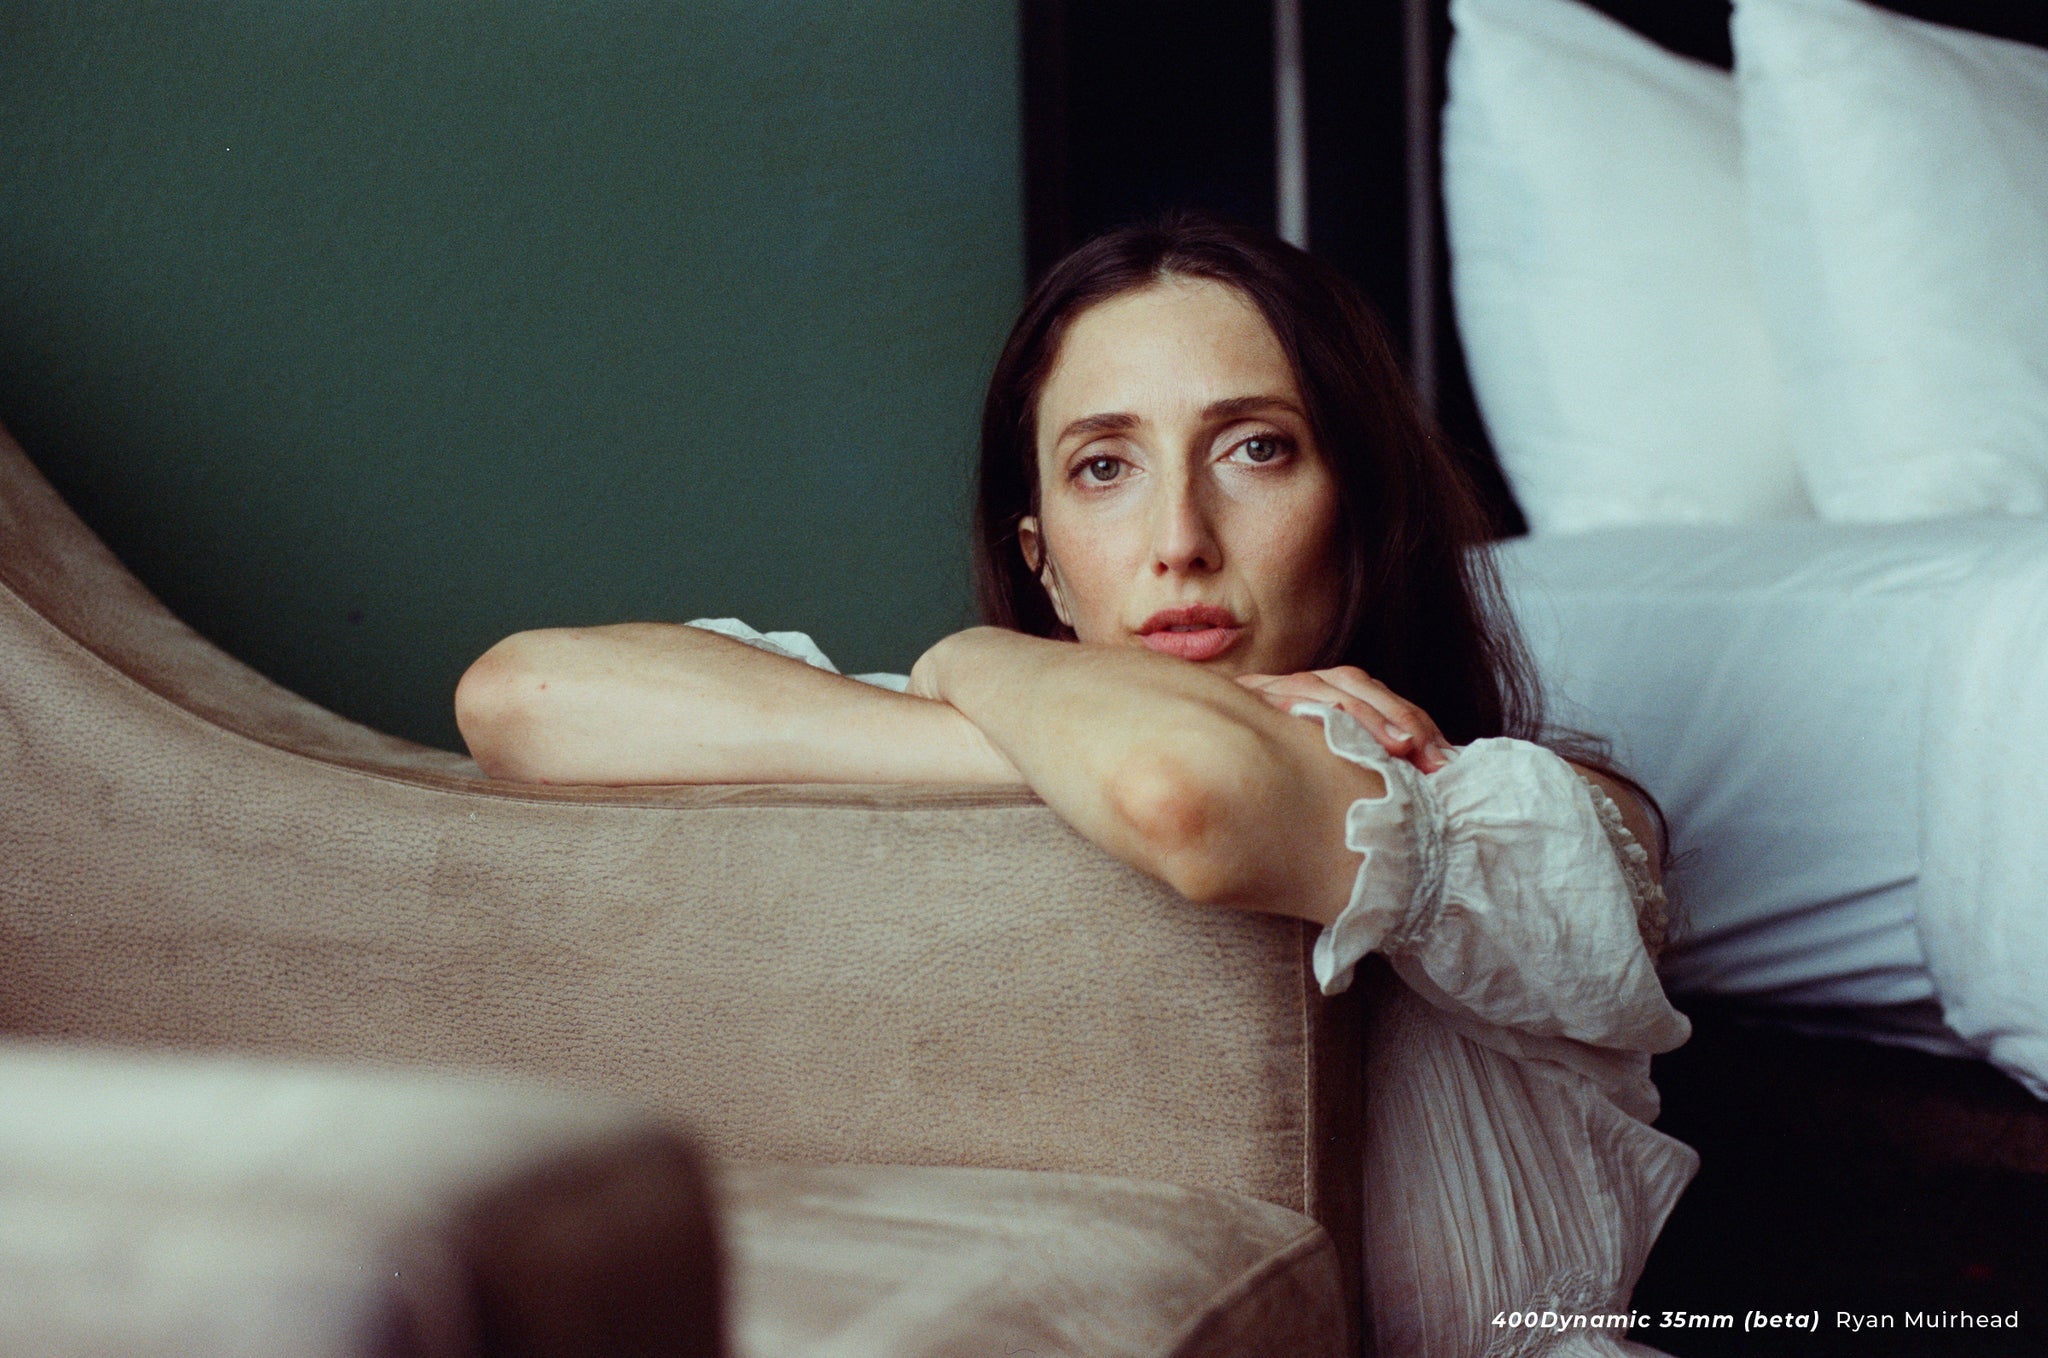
{"points": [[500, 709], [1180, 817]]}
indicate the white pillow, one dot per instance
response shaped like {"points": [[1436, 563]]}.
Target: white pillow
{"points": [[1898, 179], [1601, 271]]}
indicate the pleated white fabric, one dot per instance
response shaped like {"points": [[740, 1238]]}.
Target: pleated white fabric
{"points": [[1513, 1185]]}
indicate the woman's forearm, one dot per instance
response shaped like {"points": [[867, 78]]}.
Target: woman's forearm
{"points": [[1150, 757], [664, 703]]}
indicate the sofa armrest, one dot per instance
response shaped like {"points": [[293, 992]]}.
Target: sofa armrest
{"points": [[157, 1205]]}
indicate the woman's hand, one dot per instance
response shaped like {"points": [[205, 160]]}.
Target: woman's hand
{"points": [[1402, 728], [924, 675]]}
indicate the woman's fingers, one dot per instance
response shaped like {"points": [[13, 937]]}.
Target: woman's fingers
{"points": [[1284, 690], [1401, 728], [1408, 726]]}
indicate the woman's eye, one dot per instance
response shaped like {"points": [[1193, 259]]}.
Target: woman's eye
{"points": [[1101, 468], [1262, 448]]}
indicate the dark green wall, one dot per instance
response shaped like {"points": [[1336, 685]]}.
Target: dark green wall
{"points": [[369, 332]]}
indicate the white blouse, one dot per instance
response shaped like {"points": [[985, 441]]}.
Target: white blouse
{"points": [[1510, 1167]]}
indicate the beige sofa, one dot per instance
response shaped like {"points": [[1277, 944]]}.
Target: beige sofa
{"points": [[971, 1086]]}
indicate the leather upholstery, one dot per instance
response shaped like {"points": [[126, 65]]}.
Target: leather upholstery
{"points": [[918, 976]]}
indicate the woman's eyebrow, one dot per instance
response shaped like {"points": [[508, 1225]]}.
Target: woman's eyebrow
{"points": [[1229, 408], [1233, 407], [1091, 425]]}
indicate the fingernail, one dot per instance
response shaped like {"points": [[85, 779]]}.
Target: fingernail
{"points": [[1396, 734], [1444, 753]]}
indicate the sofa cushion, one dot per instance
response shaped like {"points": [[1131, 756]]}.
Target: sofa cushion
{"points": [[965, 1263]]}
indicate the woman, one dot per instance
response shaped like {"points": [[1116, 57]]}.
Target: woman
{"points": [[1199, 460]]}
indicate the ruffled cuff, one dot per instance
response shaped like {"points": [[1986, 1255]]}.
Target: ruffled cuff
{"points": [[1496, 891], [1399, 886]]}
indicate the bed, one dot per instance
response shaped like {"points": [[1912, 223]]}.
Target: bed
{"points": [[1761, 358], [1848, 729]]}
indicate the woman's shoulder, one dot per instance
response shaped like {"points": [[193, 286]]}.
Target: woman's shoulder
{"points": [[1632, 809]]}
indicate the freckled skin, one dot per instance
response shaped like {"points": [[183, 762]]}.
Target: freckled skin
{"points": [[1185, 499]]}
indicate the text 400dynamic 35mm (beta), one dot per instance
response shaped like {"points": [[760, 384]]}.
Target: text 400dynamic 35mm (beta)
{"points": [[1810, 1321]]}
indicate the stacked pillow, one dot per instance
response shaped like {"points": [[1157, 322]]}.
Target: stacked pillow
{"points": [[1820, 284]]}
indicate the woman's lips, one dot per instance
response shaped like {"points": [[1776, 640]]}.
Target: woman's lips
{"points": [[1205, 644], [1191, 631]]}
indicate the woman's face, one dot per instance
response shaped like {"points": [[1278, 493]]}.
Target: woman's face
{"points": [[1184, 505]]}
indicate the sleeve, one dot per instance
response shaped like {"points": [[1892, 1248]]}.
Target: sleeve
{"points": [[1500, 894], [795, 645]]}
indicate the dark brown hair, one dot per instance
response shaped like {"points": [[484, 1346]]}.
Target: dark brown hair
{"points": [[1421, 608]]}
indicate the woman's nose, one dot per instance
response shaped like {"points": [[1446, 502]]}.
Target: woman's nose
{"points": [[1183, 532]]}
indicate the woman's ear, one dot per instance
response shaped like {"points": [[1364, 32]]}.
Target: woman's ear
{"points": [[1040, 564]]}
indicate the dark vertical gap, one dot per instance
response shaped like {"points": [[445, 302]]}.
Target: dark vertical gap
{"points": [[1048, 177], [1357, 179], [1167, 105]]}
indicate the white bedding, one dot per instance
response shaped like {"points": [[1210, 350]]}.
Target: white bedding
{"points": [[1848, 726]]}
